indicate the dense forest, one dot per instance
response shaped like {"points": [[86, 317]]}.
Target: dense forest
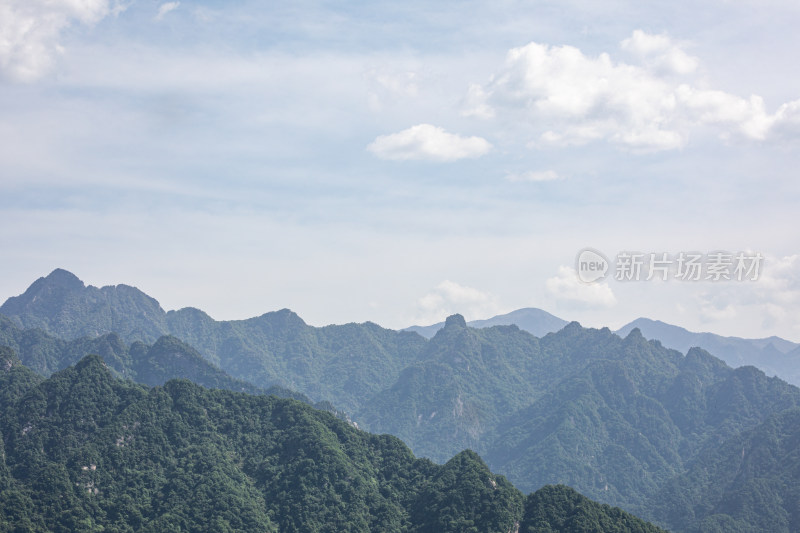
{"points": [[84, 450]]}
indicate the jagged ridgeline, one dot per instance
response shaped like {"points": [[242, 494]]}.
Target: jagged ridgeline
{"points": [[773, 355], [85, 451], [344, 365]]}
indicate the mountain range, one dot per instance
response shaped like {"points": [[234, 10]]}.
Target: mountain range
{"points": [[774, 355], [62, 305], [624, 420], [341, 364]]}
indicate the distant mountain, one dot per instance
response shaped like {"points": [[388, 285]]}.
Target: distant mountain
{"points": [[344, 365], [83, 451], [773, 355], [534, 321], [62, 305]]}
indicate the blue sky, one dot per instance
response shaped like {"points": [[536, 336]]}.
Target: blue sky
{"points": [[397, 162]]}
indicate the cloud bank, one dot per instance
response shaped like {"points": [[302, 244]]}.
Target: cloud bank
{"points": [[30, 32], [569, 98]]}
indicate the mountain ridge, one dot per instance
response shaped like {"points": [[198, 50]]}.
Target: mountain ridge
{"points": [[774, 355], [107, 309], [276, 348]]}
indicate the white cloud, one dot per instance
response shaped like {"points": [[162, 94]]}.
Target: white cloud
{"points": [[30, 30], [165, 8], [658, 52], [425, 141], [567, 288], [449, 297], [568, 98], [545, 175], [581, 99], [786, 124], [718, 107]]}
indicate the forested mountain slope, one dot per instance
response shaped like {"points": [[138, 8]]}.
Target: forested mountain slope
{"points": [[85, 451]]}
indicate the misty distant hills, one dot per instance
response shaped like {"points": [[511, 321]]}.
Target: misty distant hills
{"points": [[343, 364], [774, 355], [532, 320], [62, 305]]}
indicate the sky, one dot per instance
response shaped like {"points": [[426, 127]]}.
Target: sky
{"points": [[398, 162]]}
